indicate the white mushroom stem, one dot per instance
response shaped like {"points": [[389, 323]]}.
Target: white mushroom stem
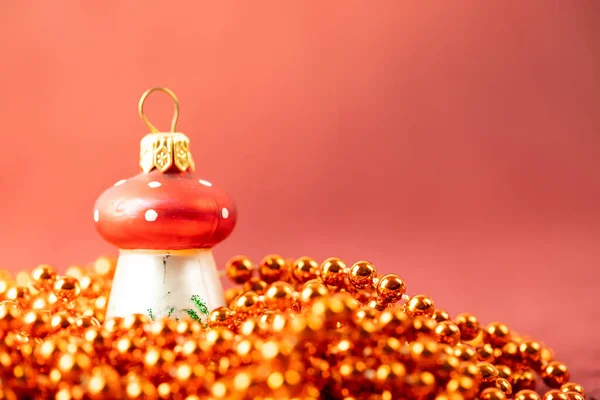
{"points": [[162, 283]]}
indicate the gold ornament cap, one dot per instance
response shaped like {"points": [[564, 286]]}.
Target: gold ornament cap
{"points": [[165, 151]]}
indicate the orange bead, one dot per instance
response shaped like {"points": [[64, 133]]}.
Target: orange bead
{"points": [[496, 334], [488, 372], [555, 395], [61, 320], [463, 385], [361, 274], [572, 387], [239, 269], [447, 332], [273, 268], [36, 323], [11, 315], [420, 305], [391, 288], [255, 284], [575, 396], [66, 288], [20, 294], [248, 304], [440, 315], [527, 395], [465, 352], [43, 277], [555, 374], [468, 325], [492, 394], [279, 296], [305, 269], [531, 352], [333, 272], [222, 316], [504, 385], [523, 379], [311, 292]]}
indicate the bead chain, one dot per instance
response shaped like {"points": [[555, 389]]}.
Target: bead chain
{"points": [[292, 329]]}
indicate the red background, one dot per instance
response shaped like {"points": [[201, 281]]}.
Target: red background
{"points": [[453, 142]]}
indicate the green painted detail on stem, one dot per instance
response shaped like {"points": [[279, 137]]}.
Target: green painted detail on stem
{"points": [[193, 314], [200, 304]]}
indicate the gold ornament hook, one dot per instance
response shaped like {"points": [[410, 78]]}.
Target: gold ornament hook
{"points": [[153, 129]]}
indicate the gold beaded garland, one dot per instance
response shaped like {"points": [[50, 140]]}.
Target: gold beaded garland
{"points": [[296, 330]]}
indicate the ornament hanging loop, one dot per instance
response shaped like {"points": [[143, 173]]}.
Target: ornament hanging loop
{"points": [[152, 128]]}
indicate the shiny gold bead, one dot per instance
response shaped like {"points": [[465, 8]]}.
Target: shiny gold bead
{"points": [[391, 288], [43, 277], [83, 323], [468, 325], [448, 332], [523, 379], [504, 371], [361, 274], [305, 269], [36, 323], [527, 395], [255, 284], [504, 385], [464, 352], [239, 269], [73, 365], [133, 324], [61, 320], [222, 316], [422, 327], [312, 291], [492, 394], [531, 352], [440, 315], [394, 322], [420, 384], [66, 288], [488, 372], [332, 272], [555, 374], [420, 305], [496, 334], [103, 382], [509, 354], [20, 294], [486, 353], [279, 296], [11, 315], [463, 385], [575, 396], [335, 310], [273, 268], [248, 304], [555, 395], [572, 387]]}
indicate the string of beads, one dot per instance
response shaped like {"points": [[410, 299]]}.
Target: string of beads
{"points": [[293, 329]]}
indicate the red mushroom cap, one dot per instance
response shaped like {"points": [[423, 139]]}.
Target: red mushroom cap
{"points": [[158, 211]]}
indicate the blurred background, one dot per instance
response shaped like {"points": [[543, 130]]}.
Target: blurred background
{"points": [[453, 142]]}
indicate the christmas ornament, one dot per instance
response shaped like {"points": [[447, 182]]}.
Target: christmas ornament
{"points": [[165, 222]]}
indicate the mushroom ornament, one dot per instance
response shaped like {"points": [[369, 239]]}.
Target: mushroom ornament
{"points": [[164, 222]]}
